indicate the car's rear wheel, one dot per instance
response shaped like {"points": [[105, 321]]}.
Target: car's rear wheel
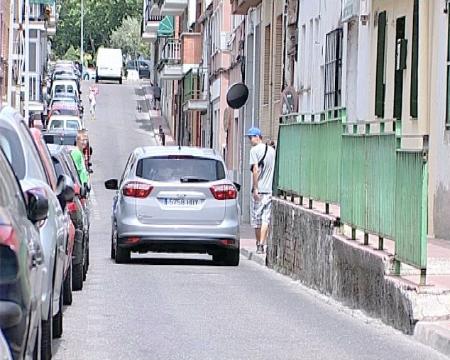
{"points": [[47, 333], [113, 242], [77, 269], [229, 257], [120, 81], [67, 287], [122, 255], [58, 319]]}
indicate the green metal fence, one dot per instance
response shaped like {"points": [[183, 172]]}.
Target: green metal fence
{"points": [[309, 156], [368, 182], [411, 208], [192, 84], [380, 190]]}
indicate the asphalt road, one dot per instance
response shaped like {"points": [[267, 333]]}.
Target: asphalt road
{"points": [[184, 307]]}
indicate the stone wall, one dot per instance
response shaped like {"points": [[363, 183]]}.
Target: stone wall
{"points": [[306, 246]]}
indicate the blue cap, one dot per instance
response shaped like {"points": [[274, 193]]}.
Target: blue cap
{"points": [[254, 131]]}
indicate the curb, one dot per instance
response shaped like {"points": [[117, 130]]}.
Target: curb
{"points": [[434, 334], [251, 255]]}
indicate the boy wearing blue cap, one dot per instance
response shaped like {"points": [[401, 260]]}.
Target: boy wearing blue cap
{"points": [[262, 165]]}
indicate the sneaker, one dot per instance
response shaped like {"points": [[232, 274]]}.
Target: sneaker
{"points": [[260, 249]]}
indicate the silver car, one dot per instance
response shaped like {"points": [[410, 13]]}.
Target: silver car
{"points": [[175, 199], [18, 146]]}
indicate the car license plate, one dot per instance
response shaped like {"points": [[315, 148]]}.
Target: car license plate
{"points": [[181, 202]]}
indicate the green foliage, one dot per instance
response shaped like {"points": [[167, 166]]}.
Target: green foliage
{"points": [[101, 18], [128, 38], [72, 54]]}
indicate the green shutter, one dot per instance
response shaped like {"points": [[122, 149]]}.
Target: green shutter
{"points": [[415, 62], [381, 50]]}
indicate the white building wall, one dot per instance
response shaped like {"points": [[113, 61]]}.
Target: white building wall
{"points": [[316, 19], [439, 157]]}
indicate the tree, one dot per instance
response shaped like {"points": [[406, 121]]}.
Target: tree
{"points": [[128, 38], [72, 54], [101, 18]]}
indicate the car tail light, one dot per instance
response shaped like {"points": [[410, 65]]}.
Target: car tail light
{"points": [[137, 190], [132, 240], [224, 192], [8, 237], [72, 207]]}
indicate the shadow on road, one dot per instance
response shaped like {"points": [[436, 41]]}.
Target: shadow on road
{"points": [[171, 262]]}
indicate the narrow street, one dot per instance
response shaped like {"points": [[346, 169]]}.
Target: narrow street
{"points": [[183, 307]]}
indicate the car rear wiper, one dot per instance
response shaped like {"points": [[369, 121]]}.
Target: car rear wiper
{"points": [[189, 179]]}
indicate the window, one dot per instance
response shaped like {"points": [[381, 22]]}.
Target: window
{"points": [[266, 93], [333, 69], [174, 168], [381, 52]]}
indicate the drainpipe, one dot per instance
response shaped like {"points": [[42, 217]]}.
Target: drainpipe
{"points": [[423, 81]]}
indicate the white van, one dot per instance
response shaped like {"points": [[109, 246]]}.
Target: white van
{"points": [[109, 65], [65, 88]]}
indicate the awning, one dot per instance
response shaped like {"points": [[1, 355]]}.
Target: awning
{"points": [[166, 26]]}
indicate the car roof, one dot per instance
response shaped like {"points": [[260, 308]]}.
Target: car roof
{"points": [[150, 151], [64, 117], [64, 82]]}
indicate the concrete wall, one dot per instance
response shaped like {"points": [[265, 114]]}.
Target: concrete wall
{"points": [[306, 246]]}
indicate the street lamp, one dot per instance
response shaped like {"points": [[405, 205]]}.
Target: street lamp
{"points": [[82, 34]]}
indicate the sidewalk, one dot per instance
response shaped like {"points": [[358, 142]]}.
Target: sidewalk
{"points": [[248, 245]]}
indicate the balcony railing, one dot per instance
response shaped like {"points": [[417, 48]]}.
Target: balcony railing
{"points": [[193, 84], [171, 52]]}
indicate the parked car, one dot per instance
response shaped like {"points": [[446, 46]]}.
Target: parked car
{"points": [[64, 108], [78, 213], [66, 99], [142, 66], [18, 145], [60, 87], [21, 263], [52, 177], [172, 199], [5, 353], [64, 122], [60, 136]]}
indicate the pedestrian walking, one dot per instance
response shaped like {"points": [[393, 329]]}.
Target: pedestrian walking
{"points": [[162, 135], [262, 166], [93, 92]]}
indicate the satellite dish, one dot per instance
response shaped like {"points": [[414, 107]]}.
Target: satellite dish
{"points": [[237, 95]]}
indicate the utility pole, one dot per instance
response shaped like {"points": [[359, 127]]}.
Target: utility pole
{"points": [[10, 50], [82, 34]]}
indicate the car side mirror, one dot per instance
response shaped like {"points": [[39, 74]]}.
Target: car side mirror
{"points": [[65, 190], [112, 184], [90, 150], [238, 186], [37, 206]]}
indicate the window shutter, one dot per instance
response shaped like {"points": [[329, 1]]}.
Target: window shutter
{"points": [[381, 49], [266, 65], [415, 62], [278, 76]]}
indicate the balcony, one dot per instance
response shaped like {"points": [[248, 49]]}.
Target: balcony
{"points": [[170, 65], [241, 7], [194, 97], [172, 7], [151, 27]]}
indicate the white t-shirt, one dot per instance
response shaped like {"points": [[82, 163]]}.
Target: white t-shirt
{"points": [[265, 179]]}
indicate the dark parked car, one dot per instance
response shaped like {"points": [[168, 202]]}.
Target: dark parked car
{"points": [[78, 213], [21, 262], [143, 67]]}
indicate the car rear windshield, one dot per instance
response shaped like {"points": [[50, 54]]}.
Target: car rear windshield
{"points": [[62, 139], [175, 168]]}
